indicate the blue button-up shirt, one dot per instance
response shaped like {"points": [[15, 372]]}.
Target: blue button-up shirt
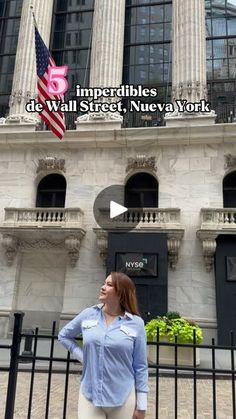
{"points": [[114, 356]]}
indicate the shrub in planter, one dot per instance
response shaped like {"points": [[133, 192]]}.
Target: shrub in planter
{"points": [[170, 327]]}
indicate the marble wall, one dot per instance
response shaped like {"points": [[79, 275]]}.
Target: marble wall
{"points": [[190, 177]]}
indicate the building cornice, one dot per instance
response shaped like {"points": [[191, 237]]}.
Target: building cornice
{"points": [[124, 137]]}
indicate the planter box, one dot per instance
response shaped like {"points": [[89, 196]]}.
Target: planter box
{"points": [[167, 355]]}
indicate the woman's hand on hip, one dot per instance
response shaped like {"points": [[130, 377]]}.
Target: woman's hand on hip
{"points": [[139, 414]]}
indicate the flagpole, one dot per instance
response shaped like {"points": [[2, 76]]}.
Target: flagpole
{"points": [[34, 19]]}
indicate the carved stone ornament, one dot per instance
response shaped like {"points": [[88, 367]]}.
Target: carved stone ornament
{"points": [[102, 243], [100, 116], [209, 248], [10, 244], [173, 245], [72, 245], [51, 163], [230, 161], [141, 162], [208, 240]]}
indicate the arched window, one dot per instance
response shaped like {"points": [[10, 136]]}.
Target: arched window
{"points": [[229, 190], [141, 191], [51, 192]]}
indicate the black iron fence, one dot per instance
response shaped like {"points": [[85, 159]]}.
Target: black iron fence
{"points": [[158, 369]]}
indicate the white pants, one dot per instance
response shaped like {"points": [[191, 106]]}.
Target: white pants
{"points": [[86, 409]]}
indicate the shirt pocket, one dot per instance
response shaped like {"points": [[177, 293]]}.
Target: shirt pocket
{"points": [[129, 332], [88, 324]]}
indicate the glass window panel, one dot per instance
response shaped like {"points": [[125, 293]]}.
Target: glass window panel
{"points": [[167, 72], [7, 64], [58, 40], [2, 7], [60, 22], [167, 32], [6, 83], [220, 68], [208, 27], [219, 48], [129, 76], [130, 32], [129, 55], [168, 13], [209, 49], [141, 74], [142, 33], [142, 15], [209, 69], [156, 33], [156, 74], [232, 68], [231, 26], [219, 27], [142, 55], [130, 17], [9, 45], [218, 8], [232, 48], [167, 52], [156, 53], [157, 14]]}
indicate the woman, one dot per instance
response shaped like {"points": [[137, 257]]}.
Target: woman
{"points": [[114, 382]]}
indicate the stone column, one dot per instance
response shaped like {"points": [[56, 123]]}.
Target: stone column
{"points": [[25, 75], [189, 60], [106, 59]]}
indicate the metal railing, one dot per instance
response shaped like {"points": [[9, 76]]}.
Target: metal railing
{"points": [[194, 371], [224, 114]]}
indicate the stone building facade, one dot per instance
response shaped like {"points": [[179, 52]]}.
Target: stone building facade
{"points": [[54, 257]]}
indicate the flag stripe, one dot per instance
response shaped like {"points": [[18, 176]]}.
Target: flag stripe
{"points": [[51, 116], [55, 120]]}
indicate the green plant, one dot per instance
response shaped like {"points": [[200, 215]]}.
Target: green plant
{"points": [[173, 325]]}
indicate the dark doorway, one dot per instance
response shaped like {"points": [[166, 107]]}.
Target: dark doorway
{"points": [[141, 191], [229, 190], [143, 257], [226, 287], [51, 192]]}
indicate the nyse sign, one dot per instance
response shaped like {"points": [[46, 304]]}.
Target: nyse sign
{"points": [[137, 264]]}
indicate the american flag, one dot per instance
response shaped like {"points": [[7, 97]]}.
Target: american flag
{"points": [[54, 120]]}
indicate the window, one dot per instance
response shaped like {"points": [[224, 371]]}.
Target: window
{"points": [[147, 52], [221, 47], [51, 192], [141, 191], [229, 190], [10, 12], [71, 43]]}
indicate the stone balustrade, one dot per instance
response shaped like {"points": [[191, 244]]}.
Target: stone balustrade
{"points": [[43, 217], [218, 218], [145, 217]]}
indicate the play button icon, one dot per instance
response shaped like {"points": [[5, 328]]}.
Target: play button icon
{"points": [[116, 209], [110, 211]]}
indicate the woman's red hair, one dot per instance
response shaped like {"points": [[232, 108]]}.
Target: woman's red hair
{"points": [[126, 292]]}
